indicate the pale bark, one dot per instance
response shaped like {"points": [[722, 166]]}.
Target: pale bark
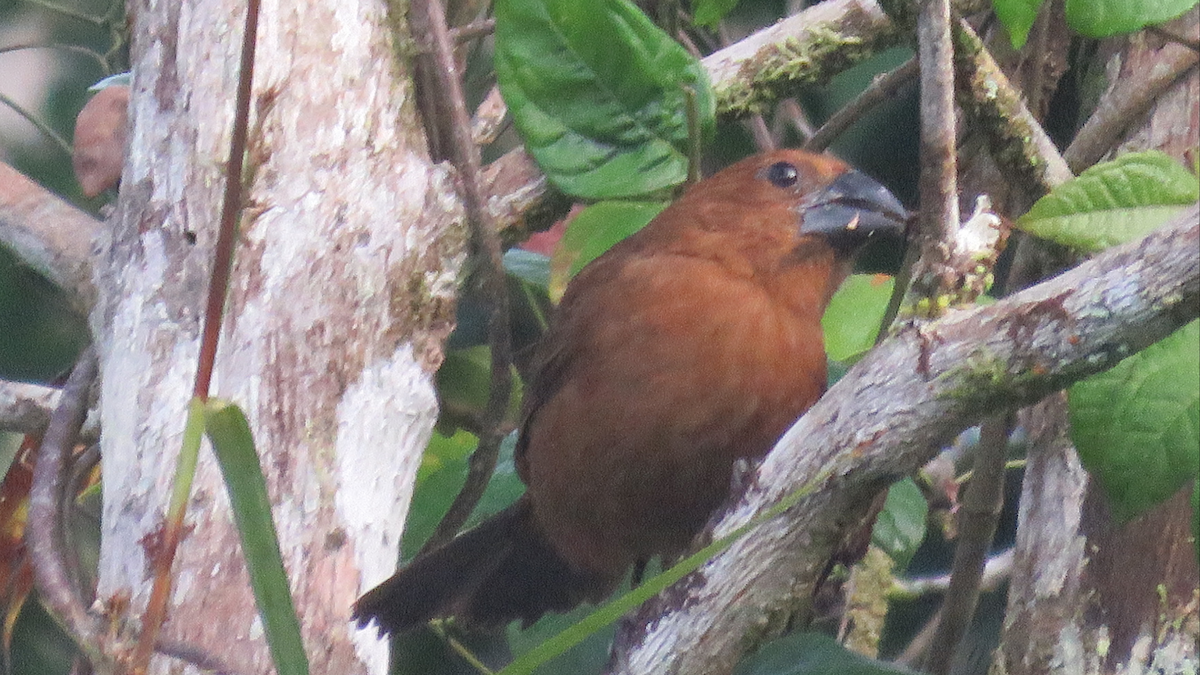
{"points": [[341, 296]]}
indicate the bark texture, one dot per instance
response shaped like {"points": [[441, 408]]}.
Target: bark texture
{"points": [[1090, 594], [341, 297]]}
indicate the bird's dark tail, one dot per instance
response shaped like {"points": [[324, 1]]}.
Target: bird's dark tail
{"points": [[504, 569]]}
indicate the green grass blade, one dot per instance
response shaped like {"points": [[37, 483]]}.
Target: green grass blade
{"points": [[234, 444]]}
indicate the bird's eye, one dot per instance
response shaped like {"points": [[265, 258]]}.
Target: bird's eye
{"points": [[783, 174]]}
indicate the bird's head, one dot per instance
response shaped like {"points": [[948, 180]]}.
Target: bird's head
{"points": [[781, 209]]}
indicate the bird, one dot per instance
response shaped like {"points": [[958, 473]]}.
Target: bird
{"points": [[687, 347]]}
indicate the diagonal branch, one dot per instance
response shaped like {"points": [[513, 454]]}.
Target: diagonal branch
{"points": [[887, 417]]}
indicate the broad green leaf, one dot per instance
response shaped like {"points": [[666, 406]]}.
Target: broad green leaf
{"points": [[40, 335], [528, 266], [812, 654], [710, 12], [1102, 18], [852, 319], [900, 527], [592, 232], [1018, 17], [1137, 425], [1113, 202], [441, 475], [463, 381], [234, 445], [596, 90]]}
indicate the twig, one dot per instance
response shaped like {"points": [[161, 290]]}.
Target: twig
{"points": [[978, 513], [74, 49], [882, 88], [1171, 36], [1124, 103], [44, 531], [41, 126], [49, 235], [195, 656], [160, 591], [939, 217], [996, 570], [429, 15], [789, 113], [472, 30]]}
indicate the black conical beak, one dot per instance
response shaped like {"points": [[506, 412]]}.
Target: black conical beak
{"points": [[853, 209]]}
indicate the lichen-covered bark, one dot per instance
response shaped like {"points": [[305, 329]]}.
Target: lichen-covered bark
{"points": [[341, 295]]}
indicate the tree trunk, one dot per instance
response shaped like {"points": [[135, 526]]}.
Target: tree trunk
{"points": [[342, 294]]}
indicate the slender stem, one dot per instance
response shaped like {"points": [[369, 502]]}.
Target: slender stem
{"points": [[939, 165], [160, 592], [882, 88], [218, 284], [978, 514], [1124, 104], [41, 126], [43, 533], [429, 15]]}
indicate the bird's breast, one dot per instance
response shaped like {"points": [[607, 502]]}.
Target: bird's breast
{"points": [[671, 378]]}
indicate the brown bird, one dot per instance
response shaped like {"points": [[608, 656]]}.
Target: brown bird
{"points": [[691, 344]]}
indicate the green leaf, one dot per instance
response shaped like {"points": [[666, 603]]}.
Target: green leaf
{"points": [[439, 478], [592, 232], [533, 268], [710, 12], [900, 527], [1103, 18], [812, 654], [234, 445], [1113, 202], [596, 90], [1018, 17], [1137, 425], [463, 382], [854, 315]]}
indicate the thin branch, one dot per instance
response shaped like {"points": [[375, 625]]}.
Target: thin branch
{"points": [[887, 417], [938, 223], [806, 48], [1171, 36], [50, 480], [429, 16], [1018, 142], [231, 209], [41, 126], [978, 514], [49, 235], [475, 29], [884, 87], [26, 408], [996, 570], [195, 656], [1124, 104]]}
